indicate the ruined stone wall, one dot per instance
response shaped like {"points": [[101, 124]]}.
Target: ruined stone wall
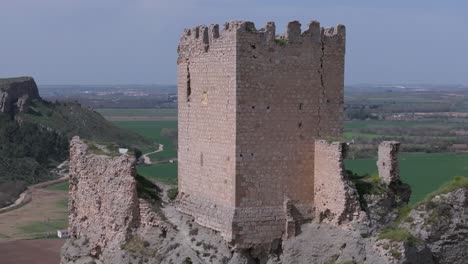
{"points": [[103, 203], [387, 163], [251, 105], [206, 116], [336, 199]]}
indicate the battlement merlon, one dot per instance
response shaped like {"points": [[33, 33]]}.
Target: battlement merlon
{"points": [[197, 41]]}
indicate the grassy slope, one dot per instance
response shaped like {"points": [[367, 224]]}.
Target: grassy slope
{"points": [[72, 119], [424, 172]]}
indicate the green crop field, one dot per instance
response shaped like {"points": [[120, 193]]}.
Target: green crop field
{"points": [[424, 172], [164, 172], [152, 131], [138, 112]]}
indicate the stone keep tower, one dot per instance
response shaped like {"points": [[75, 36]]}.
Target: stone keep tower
{"points": [[251, 105]]}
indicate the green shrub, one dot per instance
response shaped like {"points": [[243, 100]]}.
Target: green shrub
{"points": [[396, 234], [146, 189], [281, 42], [172, 193], [138, 246]]}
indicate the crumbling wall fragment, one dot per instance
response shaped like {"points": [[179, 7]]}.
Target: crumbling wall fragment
{"points": [[387, 163], [103, 203], [336, 199]]}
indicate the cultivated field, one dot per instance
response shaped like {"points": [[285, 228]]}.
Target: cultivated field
{"points": [[47, 212], [425, 172], [160, 131], [38, 251], [139, 114]]}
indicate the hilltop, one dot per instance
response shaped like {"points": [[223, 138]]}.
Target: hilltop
{"points": [[34, 134]]}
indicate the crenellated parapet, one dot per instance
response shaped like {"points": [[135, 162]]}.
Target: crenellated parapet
{"points": [[198, 40]]}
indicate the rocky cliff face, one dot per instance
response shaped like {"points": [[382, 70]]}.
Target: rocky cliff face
{"points": [[16, 94], [442, 223]]}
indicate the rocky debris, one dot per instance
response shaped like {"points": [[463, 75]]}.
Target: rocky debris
{"points": [[442, 223], [402, 252], [16, 94], [380, 197], [381, 205]]}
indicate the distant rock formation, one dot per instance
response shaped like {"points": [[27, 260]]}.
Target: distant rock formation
{"points": [[16, 94]]}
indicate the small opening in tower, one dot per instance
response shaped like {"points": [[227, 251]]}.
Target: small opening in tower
{"points": [[240, 155], [300, 106], [253, 106], [328, 101], [253, 46], [254, 56], [251, 154], [299, 125], [189, 88], [268, 107]]}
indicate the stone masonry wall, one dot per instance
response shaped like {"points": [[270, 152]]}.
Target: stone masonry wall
{"points": [[336, 199], [289, 93], [251, 105], [206, 121], [103, 203], [387, 163]]}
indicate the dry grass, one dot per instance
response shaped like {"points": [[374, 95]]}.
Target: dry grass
{"points": [[45, 213]]}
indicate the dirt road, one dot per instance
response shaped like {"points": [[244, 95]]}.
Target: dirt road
{"points": [[147, 159]]}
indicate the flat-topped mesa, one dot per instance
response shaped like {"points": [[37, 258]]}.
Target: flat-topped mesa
{"points": [[16, 94], [200, 39]]}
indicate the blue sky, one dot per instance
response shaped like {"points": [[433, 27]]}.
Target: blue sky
{"points": [[135, 41]]}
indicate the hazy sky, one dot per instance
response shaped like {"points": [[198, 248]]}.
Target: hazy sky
{"points": [[135, 41]]}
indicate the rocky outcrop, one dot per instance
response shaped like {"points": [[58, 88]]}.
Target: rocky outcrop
{"points": [[16, 94], [381, 199], [442, 223]]}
